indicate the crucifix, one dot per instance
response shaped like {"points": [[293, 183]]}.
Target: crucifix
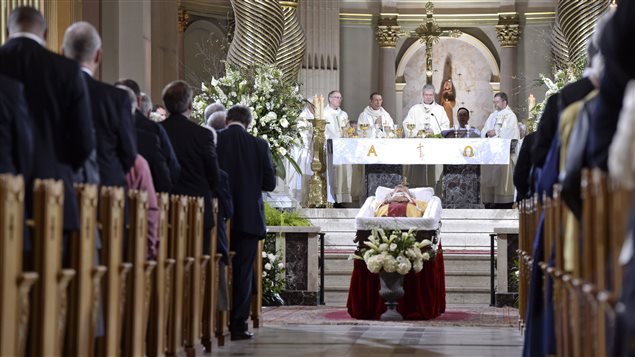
{"points": [[429, 32]]}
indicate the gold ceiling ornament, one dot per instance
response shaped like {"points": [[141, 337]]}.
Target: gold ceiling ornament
{"points": [[293, 45], [429, 33], [258, 33], [559, 48], [577, 19], [184, 18], [508, 29], [388, 32]]}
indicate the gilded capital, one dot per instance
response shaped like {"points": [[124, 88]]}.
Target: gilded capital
{"points": [[184, 19], [388, 32], [508, 29]]}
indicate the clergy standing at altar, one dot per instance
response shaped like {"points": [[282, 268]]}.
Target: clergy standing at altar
{"points": [[432, 119], [339, 177], [379, 121], [497, 188]]}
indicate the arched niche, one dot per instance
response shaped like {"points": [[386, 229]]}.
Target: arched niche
{"points": [[204, 46], [473, 68]]}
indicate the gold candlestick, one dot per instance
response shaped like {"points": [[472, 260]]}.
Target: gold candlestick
{"points": [[317, 184]]}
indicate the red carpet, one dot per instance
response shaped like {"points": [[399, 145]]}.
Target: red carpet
{"points": [[455, 315]]}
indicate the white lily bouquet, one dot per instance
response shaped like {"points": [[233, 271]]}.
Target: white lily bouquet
{"points": [[395, 251]]}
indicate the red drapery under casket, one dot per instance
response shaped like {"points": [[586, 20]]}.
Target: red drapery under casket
{"points": [[424, 296]]}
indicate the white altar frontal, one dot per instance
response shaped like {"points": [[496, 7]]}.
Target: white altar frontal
{"points": [[415, 151]]}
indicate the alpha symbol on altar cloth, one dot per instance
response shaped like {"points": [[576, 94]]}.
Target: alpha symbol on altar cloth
{"points": [[420, 147], [468, 151], [372, 151]]}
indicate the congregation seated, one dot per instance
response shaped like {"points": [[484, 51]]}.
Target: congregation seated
{"points": [[401, 203]]}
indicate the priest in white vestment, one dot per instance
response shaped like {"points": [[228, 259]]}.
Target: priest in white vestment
{"points": [[432, 119], [497, 187], [338, 177], [297, 183], [379, 121], [427, 116]]}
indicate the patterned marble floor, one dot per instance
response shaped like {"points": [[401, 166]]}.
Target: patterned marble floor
{"points": [[368, 341]]}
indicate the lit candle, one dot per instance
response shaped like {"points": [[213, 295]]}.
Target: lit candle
{"points": [[531, 102], [321, 106]]}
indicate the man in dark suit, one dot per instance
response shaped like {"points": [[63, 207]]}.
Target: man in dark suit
{"points": [[58, 103], [194, 148], [164, 165], [247, 161], [522, 170], [116, 148], [16, 141]]}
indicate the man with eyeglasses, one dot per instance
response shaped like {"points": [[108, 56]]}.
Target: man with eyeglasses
{"points": [[340, 177], [497, 188]]}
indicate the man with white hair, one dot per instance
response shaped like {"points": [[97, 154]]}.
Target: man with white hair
{"points": [[112, 118], [430, 118], [427, 116], [216, 120], [211, 109]]}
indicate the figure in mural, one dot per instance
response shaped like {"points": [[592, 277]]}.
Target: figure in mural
{"points": [[448, 99]]}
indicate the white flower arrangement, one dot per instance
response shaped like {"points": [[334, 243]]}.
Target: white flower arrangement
{"points": [[395, 251], [275, 106], [561, 78], [273, 281]]}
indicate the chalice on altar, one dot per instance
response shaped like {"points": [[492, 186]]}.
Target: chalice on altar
{"points": [[411, 127], [350, 132], [364, 127], [398, 132]]}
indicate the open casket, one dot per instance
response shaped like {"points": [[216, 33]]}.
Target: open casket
{"points": [[424, 296]]}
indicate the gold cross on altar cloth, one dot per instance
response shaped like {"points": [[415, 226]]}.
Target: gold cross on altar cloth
{"points": [[429, 32], [420, 147]]}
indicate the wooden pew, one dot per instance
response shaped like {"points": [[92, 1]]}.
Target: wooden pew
{"points": [[111, 219], [49, 300], [161, 289], [15, 285], [223, 318], [256, 299], [600, 239], [195, 289], [587, 287], [139, 281], [210, 274], [85, 288], [176, 245]]}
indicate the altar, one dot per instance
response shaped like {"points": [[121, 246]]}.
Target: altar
{"points": [[461, 159]]}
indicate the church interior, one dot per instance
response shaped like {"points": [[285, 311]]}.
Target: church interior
{"points": [[452, 177]]}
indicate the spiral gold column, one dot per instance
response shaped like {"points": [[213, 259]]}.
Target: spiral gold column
{"points": [[577, 19], [293, 46], [559, 48], [258, 34]]}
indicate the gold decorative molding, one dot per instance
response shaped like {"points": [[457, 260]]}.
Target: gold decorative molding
{"points": [[184, 19], [293, 45], [508, 29], [259, 30], [388, 32]]}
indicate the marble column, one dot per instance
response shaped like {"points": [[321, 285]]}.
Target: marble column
{"points": [[508, 34], [387, 34]]}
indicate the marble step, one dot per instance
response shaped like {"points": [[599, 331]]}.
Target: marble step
{"points": [[338, 297], [464, 225], [459, 279], [452, 262], [452, 241], [503, 214]]}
